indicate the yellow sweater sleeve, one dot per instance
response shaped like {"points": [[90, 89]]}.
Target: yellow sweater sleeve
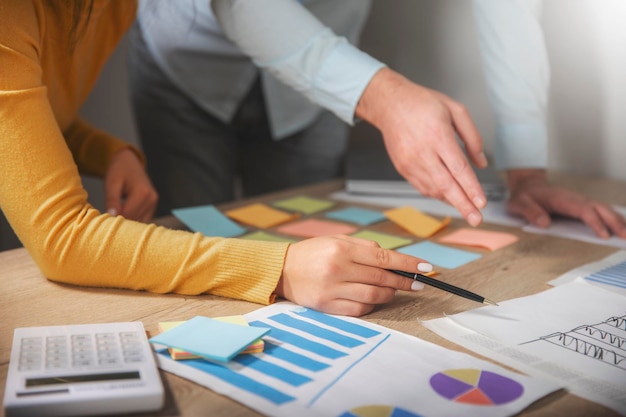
{"points": [[93, 148], [42, 196]]}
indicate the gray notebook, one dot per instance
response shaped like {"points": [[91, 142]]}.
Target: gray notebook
{"points": [[370, 171]]}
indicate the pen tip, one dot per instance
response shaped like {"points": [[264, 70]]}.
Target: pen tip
{"points": [[488, 301]]}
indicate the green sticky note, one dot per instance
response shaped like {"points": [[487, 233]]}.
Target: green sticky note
{"points": [[304, 204], [212, 339], [268, 237], [384, 240]]}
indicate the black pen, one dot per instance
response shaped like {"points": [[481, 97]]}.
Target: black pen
{"points": [[444, 286]]}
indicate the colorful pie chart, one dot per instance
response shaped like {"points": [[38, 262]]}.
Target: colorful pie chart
{"points": [[378, 411], [476, 387]]}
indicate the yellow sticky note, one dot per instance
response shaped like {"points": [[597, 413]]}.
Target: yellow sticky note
{"points": [[416, 222], [179, 354], [260, 215]]}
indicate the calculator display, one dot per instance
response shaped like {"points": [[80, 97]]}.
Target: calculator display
{"points": [[72, 379]]}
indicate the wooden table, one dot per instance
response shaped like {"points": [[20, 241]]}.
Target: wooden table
{"points": [[28, 299]]}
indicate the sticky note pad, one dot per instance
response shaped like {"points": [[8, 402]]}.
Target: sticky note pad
{"points": [[440, 255], [304, 204], [315, 227], [416, 222], [357, 215], [481, 238], [179, 354], [209, 221], [260, 215], [384, 240], [267, 237], [210, 338]]}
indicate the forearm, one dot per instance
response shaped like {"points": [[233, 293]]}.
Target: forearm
{"points": [[93, 149], [284, 38], [516, 67]]}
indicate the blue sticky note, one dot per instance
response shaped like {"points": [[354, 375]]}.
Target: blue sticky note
{"points": [[209, 221], [209, 338], [357, 215], [440, 255]]}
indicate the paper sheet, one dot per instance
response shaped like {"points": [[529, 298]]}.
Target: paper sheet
{"points": [[574, 229], [609, 273], [210, 338], [488, 239], [304, 204], [416, 222], [574, 333], [495, 212], [320, 365], [385, 241], [267, 237], [209, 221], [179, 354], [440, 255], [357, 215], [315, 227], [260, 215]]}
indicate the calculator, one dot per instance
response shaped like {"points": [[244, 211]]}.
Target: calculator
{"points": [[84, 369]]}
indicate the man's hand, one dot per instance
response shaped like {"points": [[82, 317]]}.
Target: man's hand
{"points": [[128, 190], [534, 199], [345, 275], [418, 126]]}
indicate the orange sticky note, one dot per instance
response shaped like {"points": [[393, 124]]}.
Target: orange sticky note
{"points": [[416, 222], [260, 215], [179, 354], [315, 227], [481, 238]]}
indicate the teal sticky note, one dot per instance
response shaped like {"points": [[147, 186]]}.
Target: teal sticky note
{"points": [[440, 255], [209, 221], [209, 338], [357, 215]]}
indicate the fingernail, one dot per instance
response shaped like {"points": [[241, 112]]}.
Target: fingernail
{"points": [[482, 158], [112, 212], [424, 267], [479, 202], [416, 286], [473, 219]]}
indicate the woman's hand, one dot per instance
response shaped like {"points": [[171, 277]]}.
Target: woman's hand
{"points": [[128, 190], [345, 275]]}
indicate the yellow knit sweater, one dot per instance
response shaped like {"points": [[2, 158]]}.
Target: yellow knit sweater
{"points": [[43, 145]]}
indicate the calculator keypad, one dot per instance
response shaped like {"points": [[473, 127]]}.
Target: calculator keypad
{"points": [[76, 351]]}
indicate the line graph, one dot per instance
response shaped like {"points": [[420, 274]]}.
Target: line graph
{"points": [[604, 341]]}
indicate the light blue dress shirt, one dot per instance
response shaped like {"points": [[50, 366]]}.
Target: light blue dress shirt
{"points": [[208, 56], [517, 73]]}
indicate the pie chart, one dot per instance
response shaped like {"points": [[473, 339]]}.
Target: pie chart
{"points": [[378, 411], [476, 387]]}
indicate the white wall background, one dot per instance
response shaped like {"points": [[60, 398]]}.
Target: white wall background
{"points": [[433, 42]]}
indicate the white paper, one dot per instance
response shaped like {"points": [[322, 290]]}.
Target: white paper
{"points": [[609, 273], [574, 333], [574, 229], [494, 212], [354, 368]]}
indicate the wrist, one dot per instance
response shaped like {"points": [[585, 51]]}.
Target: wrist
{"points": [[374, 103]]}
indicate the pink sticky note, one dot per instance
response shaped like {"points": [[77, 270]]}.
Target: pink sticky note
{"points": [[482, 238], [315, 227]]}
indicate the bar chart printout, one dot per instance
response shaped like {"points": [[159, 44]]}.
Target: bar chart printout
{"points": [[316, 364]]}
